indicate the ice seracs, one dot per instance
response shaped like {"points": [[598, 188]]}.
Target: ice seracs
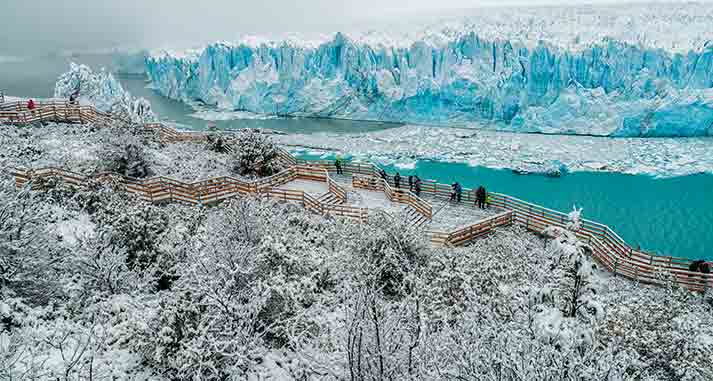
{"points": [[547, 78], [103, 91]]}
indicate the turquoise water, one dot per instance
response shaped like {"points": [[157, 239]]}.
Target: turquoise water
{"points": [[667, 216]]}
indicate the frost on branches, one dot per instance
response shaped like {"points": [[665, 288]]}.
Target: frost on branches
{"points": [[256, 154], [102, 91], [96, 284]]}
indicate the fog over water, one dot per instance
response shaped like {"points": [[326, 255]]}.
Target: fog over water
{"points": [[56, 27]]}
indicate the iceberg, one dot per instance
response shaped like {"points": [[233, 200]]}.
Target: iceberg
{"points": [[606, 87]]}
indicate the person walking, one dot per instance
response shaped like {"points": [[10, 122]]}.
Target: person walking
{"points": [[417, 186], [338, 164], [397, 180], [410, 183]]}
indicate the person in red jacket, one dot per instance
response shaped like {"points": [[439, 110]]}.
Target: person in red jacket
{"points": [[31, 105]]}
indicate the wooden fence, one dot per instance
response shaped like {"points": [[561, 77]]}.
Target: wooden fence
{"points": [[204, 192], [395, 195], [53, 111], [607, 247], [467, 234]]}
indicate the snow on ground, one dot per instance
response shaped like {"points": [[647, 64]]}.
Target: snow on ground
{"points": [[190, 161], [77, 148], [362, 198], [314, 188], [663, 157], [448, 216]]}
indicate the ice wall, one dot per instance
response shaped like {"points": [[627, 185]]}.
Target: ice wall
{"points": [[609, 88]]}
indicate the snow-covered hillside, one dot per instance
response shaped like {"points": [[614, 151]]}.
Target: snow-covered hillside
{"points": [[644, 70], [97, 284]]}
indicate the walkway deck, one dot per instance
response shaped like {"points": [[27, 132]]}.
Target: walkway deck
{"points": [[314, 188], [607, 247], [449, 216]]}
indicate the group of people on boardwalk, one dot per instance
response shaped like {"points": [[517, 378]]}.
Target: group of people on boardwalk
{"points": [[415, 185], [481, 195]]}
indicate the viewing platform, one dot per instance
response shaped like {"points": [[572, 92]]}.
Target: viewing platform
{"points": [[356, 194]]}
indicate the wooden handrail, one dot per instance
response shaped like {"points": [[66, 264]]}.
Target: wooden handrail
{"points": [[607, 246]]}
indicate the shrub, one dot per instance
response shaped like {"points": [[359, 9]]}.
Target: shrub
{"points": [[217, 142], [255, 154], [125, 155]]}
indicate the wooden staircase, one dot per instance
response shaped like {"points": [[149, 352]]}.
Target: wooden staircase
{"points": [[414, 217], [329, 198]]}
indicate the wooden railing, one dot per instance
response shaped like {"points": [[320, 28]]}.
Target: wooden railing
{"points": [[336, 189], [210, 191], [53, 111], [467, 234], [607, 247], [396, 195]]}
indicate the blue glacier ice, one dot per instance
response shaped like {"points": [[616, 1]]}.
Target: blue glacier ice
{"points": [[608, 88]]}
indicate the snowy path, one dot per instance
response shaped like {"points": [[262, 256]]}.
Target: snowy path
{"points": [[450, 216], [366, 199], [314, 188]]}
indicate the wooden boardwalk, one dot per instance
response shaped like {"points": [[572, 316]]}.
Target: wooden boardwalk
{"points": [[607, 247]]}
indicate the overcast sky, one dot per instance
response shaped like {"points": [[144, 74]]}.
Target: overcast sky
{"points": [[43, 26]]}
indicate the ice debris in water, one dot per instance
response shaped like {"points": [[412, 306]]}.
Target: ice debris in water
{"points": [[535, 153]]}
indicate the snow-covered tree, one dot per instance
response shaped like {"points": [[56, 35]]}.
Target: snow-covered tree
{"points": [[103, 91], [28, 254], [125, 154], [217, 141], [256, 154]]}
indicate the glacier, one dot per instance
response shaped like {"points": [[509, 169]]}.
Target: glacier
{"points": [[103, 91], [604, 87]]}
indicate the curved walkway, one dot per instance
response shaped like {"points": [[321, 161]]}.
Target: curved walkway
{"points": [[607, 247]]}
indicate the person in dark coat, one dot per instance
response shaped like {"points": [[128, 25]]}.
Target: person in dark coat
{"points": [[480, 196], [397, 180], [457, 192], [410, 183], [417, 186], [700, 266], [338, 164]]}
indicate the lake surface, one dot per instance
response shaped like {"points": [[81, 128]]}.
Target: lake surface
{"points": [[672, 216], [669, 216]]}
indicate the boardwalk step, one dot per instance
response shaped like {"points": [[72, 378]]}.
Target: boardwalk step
{"points": [[329, 198]]}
